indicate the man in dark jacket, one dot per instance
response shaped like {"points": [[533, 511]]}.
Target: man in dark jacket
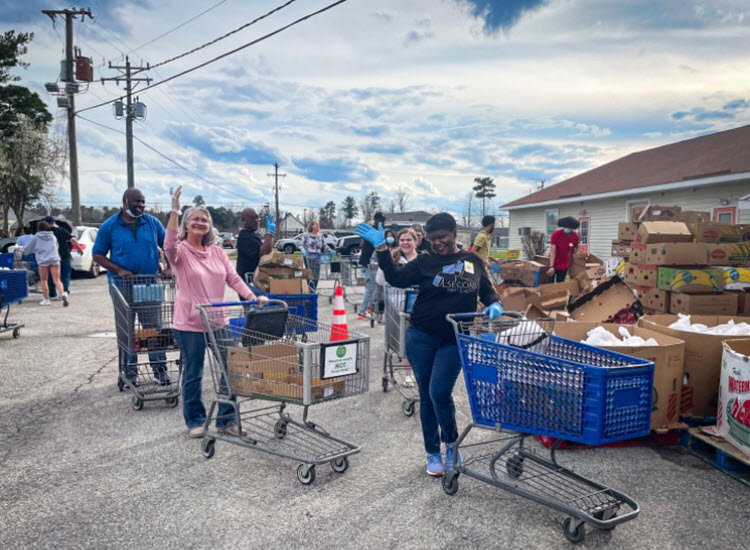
{"points": [[65, 241], [250, 247], [369, 275]]}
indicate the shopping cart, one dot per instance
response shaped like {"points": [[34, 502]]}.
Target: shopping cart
{"points": [[330, 271], [396, 371], [144, 306], [301, 305], [521, 378], [352, 280], [13, 289], [267, 354]]}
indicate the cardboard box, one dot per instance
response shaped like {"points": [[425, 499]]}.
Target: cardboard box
{"points": [[605, 303], [656, 213], [247, 366], [733, 418], [525, 272], [637, 253], [693, 216], [278, 259], [543, 260], [654, 299], [743, 303], [703, 352], [682, 254], [626, 231], [291, 387], [641, 275], [703, 304], [518, 299], [736, 278], [620, 249], [288, 286], [715, 232], [552, 290], [593, 266], [663, 232], [668, 358], [730, 254], [690, 281], [268, 272]]}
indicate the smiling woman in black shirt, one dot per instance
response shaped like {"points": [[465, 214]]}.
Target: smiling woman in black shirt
{"points": [[450, 281]]}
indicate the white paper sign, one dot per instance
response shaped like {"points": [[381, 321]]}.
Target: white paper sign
{"points": [[338, 359]]}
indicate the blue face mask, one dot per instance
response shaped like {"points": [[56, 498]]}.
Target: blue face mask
{"points": [[390, 240]]}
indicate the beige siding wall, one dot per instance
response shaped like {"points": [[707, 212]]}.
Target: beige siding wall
{"points": [[607, 213]]}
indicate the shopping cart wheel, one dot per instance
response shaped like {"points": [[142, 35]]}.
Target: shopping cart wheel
{"points": [[340, 465], [306, 473], [208, 447], [408, 408], [280, 429], [514, 466], [136, 403], [120, 384], [604, 515], [450, 483], [385, 384], [574, 535], [172, 401], [372, 322], [16, 332]]}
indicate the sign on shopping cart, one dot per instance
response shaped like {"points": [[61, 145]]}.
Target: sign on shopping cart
{"points": [[338, 359]]}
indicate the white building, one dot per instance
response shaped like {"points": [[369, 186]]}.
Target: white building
{"points": [[708, 173]]}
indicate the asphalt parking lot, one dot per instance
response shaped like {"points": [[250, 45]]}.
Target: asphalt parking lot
{"points": [[79, 468]]}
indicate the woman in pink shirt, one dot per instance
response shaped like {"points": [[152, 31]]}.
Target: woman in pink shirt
{"points": [[203, 271]]}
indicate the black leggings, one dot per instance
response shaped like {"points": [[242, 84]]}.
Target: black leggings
{"points": [[560, 275]]}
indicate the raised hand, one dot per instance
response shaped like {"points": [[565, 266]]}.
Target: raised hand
{"points": [[376, 237], [270, 226], [176, 199]]}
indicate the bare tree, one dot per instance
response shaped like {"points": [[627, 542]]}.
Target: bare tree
{"points": [[534, 244], [392, 206], [402, 199], [468, 208]]}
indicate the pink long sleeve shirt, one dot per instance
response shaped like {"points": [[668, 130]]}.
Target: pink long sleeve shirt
{"points": [[201, 279]]}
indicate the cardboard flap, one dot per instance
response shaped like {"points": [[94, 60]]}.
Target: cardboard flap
{"points": [[604, 302]]}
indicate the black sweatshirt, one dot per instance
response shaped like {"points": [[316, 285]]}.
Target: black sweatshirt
{"points": [[447, 284]]}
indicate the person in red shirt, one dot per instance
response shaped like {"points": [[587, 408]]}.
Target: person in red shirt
{"points": [[563, 244]]}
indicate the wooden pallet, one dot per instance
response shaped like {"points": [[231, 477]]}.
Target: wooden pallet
{"points": [[718, 453]]}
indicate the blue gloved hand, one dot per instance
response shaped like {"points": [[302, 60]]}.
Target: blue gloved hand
{"points": [[270, 226], [304, 253], [494, 310], [376, 237]]}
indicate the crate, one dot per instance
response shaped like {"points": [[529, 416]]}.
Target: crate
{"points": [[6, 260], [718, 453], [300, 305], [14, 286], [572, 391]]}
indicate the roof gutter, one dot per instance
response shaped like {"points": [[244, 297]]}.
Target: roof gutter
{"points": [[724, 178]]}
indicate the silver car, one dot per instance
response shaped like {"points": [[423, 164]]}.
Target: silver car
{"points": [[290, 246]]}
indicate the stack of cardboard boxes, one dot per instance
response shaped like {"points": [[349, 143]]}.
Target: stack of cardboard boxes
{"points": [[698, 268], [279, 273]]}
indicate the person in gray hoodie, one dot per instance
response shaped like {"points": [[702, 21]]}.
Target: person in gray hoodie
{"points": [[44, 245]]}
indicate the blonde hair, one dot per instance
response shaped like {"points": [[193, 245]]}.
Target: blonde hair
{"points": [[408, 231], [209, 238]]}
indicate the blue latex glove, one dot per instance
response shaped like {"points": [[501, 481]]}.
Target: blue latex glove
{"points": [[304, 253], [494, 310], [376, 237], [270, 226]]}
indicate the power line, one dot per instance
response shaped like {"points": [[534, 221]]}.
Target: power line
{"points": [[177, 27], [231, 52], [230, 33]]}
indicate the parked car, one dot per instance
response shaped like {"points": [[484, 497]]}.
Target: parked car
{"points": [[228, 240], [6, 243], [340, 234], [86, 236], [348, 245], [290, 246]]}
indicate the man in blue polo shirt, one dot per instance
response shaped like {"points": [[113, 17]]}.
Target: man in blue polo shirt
{"points": [[132, 239]]}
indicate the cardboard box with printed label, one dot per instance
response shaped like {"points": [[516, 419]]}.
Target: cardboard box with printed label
{"points": [[656, 213], [663, 232], [682, 254], [637, 253], [667, 356], [736, 278], [690, 281], [715, 232], [733, 417], [605, 303], [278, 259], [731, 254], [693, 216], [641, 275], [654, 299], [588, 263], [703, 304], [620, 249], [700, 382], [626, 231]]}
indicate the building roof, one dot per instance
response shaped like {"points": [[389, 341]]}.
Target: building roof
{"points": [[416, 216], [712, 157]]}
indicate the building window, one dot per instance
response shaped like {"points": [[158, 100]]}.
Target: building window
{"points": [[552, 216], [632, 205], [725, 215]]}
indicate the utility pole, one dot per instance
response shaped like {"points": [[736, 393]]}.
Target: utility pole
{"points": [[71, 88], [276, 176], [131, 111]]}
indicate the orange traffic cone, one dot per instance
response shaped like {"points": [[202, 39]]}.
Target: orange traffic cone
{"points": [[339, 328]]}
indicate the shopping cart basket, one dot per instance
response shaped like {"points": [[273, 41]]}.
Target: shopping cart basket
{"points": [[396, 371], [352, 280], [144, 307], [266, 354], [301, 305], [522, 378], [13, 289]]}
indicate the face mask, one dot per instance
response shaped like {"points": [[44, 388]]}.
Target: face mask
{"points": [[390, 240], [130, 212], [567, 230]]}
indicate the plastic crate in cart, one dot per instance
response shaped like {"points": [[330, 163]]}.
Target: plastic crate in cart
{"points": [[520, 377], [300, 305], [6, 260], [14, 286]]}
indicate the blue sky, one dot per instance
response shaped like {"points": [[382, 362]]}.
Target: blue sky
{"points": [[423, 95]]}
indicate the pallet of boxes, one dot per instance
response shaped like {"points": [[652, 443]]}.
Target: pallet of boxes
{"points": [[279, 273]]}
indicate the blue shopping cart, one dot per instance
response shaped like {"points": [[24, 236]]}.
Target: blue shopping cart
{"points": [[14, 288], [521, 380]]}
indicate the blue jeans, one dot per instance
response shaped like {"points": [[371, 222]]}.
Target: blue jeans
{"points": [[369, 290], [436, 364], [193, 348], [312, 261], [64, 278]]}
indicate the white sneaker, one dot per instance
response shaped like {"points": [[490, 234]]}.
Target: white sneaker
{"points": [[408, 382], [65, 299], [45, 303]]}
